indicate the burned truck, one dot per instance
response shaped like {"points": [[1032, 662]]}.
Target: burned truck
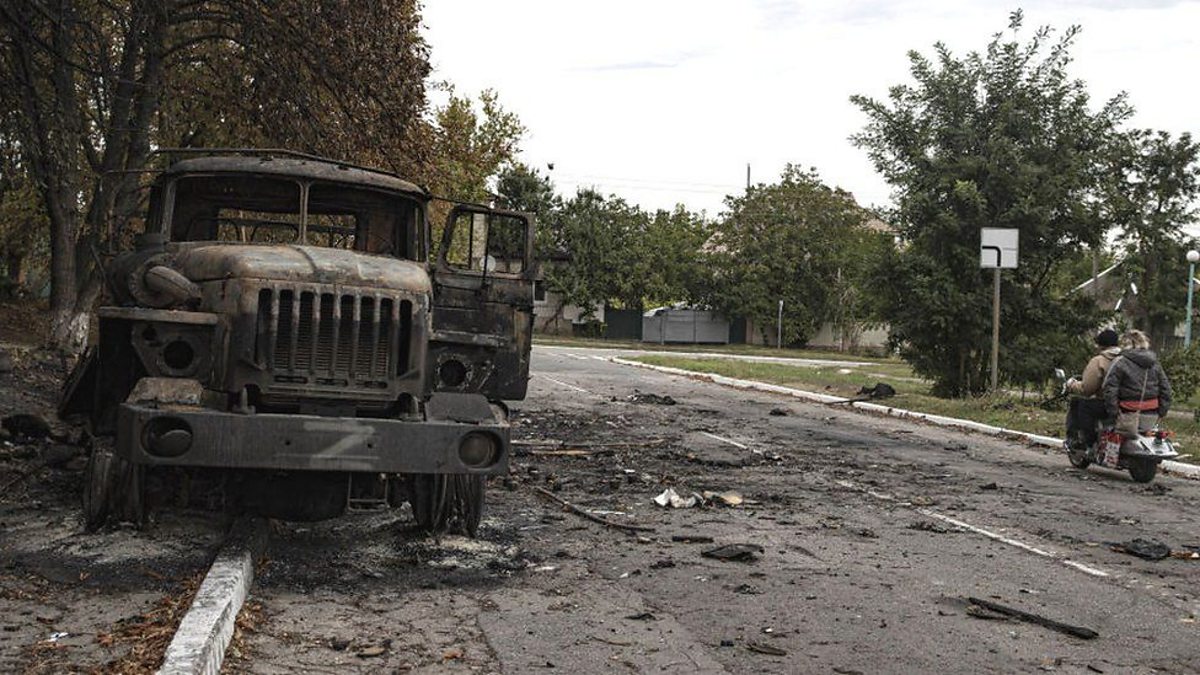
{"points": [[281, 335]]}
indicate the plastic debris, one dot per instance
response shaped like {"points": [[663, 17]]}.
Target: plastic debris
{"points": [[673, 499]]}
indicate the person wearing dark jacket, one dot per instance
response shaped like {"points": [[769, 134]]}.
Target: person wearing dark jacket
{"points": [[1136, 382]]}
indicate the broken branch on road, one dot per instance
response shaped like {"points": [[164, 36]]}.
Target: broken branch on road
{"points": [[579, 511], [997, 608]]}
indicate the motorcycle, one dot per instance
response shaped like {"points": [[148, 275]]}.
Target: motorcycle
{"points": [[1139, 455]]}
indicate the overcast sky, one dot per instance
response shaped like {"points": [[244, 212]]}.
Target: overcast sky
{"points": [[667, 101]]}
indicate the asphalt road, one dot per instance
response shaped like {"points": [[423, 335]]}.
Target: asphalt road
{"points": [[872, 531]]}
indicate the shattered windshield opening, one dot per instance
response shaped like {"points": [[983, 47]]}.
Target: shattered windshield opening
{"points": [[254, 209]]}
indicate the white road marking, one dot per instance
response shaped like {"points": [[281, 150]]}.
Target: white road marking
{"points": [[1086, 569], [725, 440], [1013, 542], [601, 358], [568, 386]]}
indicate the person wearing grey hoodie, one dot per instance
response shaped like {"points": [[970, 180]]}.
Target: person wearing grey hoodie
{"points": [[1136, 381]]}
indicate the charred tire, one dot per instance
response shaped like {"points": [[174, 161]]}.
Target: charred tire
{"points": [[1142, 470], [112, 489], [447, 503]]}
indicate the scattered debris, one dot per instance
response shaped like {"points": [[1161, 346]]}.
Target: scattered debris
{"points": [[372, 651], [769, 650], [989, 486], [338, 644], [779, 412], [1147, 549], [662, 564], [736, 552], [576, 445], [452, 654], [997, 608], [573, 452], [879, 391], [866, 533], [670, 497], [673, 499], [747, 589], [642, 616], [727, 498], [929, 526], [691, 538], [590, 516], [653, 399]]}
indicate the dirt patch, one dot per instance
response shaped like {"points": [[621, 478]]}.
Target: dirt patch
{"points": [[24, 322]]}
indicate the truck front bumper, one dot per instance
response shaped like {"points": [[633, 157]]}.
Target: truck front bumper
{"points": [[201, 437]]}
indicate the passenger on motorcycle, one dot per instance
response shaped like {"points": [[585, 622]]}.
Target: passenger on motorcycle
{"points": [[1086, 412], [1136, 382]]}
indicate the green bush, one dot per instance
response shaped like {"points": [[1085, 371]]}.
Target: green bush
{"points": [[1183, 369]]}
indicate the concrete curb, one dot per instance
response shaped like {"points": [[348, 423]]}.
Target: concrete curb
{"points": [[1176, 468], [198, 647]]}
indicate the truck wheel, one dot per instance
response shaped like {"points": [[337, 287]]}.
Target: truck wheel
{"points": [[447, 503], [1142, 470], [98, 486], [112, 489]]}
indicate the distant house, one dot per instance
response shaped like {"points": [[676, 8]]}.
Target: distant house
{"points": [[552, 314], [1113, 293]]}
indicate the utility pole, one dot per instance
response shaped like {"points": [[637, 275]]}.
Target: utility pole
{"points": [[1192, 258], [747, 176], [779, 328], [996, 330]]}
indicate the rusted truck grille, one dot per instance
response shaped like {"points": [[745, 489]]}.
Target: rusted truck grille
{"points": [[343, 340]]}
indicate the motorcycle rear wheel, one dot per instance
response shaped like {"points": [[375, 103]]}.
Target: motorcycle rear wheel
{"points": [[1142, 470]]}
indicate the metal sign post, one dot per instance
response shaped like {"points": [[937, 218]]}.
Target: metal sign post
{"points": [[779, 328], [997, 250]]}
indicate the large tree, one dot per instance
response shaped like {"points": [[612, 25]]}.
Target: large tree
{"points": [[1003, 138], [1149, 190], [96, 84], [797, 240]]}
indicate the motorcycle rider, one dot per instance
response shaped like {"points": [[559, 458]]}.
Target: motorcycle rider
{"points": [[1136, 381], [1086, 411]]}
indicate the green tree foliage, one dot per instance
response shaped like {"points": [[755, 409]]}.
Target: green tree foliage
{"points": [[799, 241], [1183, 370], [1002, 138], [94, 85], [599, 249], [1150, 185], [597, 237], [523, 188], [471, 144]]}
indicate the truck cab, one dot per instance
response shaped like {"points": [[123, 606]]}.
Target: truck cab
{"points": [[282, 323]]}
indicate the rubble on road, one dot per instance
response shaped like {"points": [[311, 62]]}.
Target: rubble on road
{"points": [[654, 399], [734, 552]]}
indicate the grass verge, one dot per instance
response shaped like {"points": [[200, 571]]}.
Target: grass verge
{"points": [[752, 350], [1002, 410]]}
